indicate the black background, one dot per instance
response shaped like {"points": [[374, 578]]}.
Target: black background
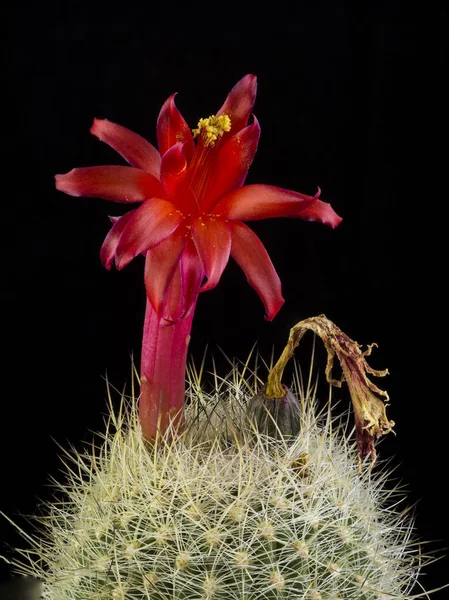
{"points": [[350, 98]]}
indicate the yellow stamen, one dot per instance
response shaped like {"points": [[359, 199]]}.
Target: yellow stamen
{"points": [[212, 128]]}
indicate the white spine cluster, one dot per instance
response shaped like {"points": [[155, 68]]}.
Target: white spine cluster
{"points": [[224, 513]]}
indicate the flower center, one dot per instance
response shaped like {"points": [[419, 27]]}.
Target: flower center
{"points": [[212, 128]]}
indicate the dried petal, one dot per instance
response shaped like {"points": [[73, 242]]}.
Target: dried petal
{"points": [[369, 410]]}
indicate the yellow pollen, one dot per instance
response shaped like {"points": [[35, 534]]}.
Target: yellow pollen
{"points": [[212, 128]]}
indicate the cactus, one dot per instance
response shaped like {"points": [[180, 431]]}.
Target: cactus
{"points": [[221, 511], [246, 493]]}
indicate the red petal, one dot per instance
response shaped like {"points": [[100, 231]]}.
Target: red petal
{"points": [[111, 241], [150, 224], [319, 211], [134, 148], [192, 276], [240, 101], [212, 238], [173, 168], [249, 252], [267, 201], [120, 184], [160, 265], [172, 128], [233, 161]]}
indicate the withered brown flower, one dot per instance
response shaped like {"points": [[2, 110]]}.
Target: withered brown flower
{"points": [[369, 409]]}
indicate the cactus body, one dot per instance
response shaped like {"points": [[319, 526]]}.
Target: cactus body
{"points": [[275, 416], [221, 513]]}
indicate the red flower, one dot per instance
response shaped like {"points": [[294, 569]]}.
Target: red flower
{"points": [[194, 204], [189, 224]]}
